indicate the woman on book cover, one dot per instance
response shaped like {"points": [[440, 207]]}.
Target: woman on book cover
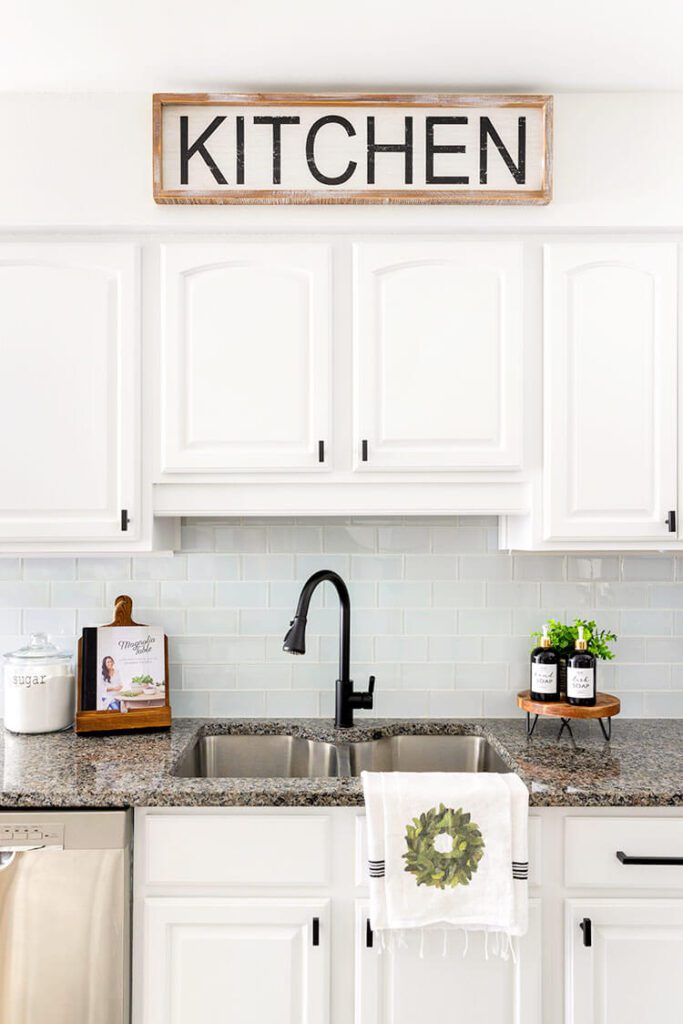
{"points": [[112, 684]]}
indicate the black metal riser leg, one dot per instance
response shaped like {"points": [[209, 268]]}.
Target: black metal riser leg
{"points": [[606, 732]]}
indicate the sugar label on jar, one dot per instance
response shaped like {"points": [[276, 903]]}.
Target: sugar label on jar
{"points": [[580, 682], [26, 679], [544, 678]]}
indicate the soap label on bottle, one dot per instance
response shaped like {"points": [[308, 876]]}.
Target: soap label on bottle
{"points": [[544, 678], [580, 682]]}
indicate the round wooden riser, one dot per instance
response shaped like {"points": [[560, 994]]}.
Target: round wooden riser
{"points": [[606, 706]]}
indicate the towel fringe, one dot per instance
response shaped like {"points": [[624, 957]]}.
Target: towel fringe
{"points": [[496, 943]]}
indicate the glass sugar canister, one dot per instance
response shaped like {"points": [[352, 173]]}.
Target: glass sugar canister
{"points": [[39, 687]]}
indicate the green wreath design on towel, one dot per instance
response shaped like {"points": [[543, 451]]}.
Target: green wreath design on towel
{"points": [[444, 848]]}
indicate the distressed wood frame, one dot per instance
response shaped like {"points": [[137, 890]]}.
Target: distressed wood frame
{"points": [[540, 196]]}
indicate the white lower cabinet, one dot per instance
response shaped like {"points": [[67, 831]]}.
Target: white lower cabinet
{"points": [[247, 961], [623, 961], [227, 899], [440, 984]]}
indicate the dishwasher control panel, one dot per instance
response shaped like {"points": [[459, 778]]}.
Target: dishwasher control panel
{"points": [[21, 835]]}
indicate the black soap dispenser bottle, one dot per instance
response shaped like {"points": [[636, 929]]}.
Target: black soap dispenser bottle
{"points": [[581, 687], [545, 661]]}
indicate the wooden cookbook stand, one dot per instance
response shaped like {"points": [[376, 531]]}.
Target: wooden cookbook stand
{"points": [[116, 721]]}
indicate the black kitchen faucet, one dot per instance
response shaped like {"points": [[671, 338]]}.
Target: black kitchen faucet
{"points": [[295, 643]]}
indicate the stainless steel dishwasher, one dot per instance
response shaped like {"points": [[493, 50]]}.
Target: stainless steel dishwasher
{"points": [[64, 917]]}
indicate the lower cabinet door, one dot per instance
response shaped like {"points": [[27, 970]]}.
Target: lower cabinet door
{"points": [[623, 961], [403, 987], [239, 961]]}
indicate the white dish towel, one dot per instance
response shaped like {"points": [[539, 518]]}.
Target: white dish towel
{"points": [[448, 850]]}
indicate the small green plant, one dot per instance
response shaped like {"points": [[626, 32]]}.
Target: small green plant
{"points": [[563, 638]]}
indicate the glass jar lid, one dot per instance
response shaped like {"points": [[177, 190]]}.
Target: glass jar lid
{"points": [[38, 648]]}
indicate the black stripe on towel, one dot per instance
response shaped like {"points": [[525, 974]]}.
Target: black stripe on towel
{"points": [[376, 868], [520, 870]]}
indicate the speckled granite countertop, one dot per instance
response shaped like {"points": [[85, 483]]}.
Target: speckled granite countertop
{"points": [[642, 766]]}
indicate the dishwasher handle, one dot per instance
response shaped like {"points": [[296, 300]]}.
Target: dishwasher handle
{"points": [[21, 849], [8, 853]]}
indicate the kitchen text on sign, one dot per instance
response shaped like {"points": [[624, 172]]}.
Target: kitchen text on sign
{"points": [[346, 149]]}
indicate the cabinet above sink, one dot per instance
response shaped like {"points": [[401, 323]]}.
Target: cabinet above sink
{"points": [[342, 378]]}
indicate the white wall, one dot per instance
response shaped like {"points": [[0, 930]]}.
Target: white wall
{"points": [[85, 160]]}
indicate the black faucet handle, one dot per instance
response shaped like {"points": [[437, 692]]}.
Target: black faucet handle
{"points": [[360, 699]]}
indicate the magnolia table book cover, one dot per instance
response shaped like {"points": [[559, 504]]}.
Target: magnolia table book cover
{"points": [[131, 667]]}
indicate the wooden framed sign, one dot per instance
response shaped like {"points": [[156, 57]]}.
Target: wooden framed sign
{"points": [[362, 148]]}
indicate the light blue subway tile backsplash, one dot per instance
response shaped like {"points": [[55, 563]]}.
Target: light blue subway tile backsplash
{"points": [[50, 569], [10, 568], [439, 615], [461, 540], [593, 567]]}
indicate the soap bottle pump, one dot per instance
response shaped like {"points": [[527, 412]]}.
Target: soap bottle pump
{"points": [[545, 660], [581, 687]]}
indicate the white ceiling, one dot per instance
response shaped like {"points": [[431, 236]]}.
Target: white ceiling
{"points": [[162, 45]]}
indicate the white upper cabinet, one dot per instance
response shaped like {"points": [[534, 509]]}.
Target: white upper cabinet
{"points": [[245, 357], [69, 411], [610, 391], [438, 356]]}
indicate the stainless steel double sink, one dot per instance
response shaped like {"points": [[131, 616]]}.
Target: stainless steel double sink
{"points": [[232, 755]]}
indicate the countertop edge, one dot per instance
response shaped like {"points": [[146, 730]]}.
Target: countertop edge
{"points": [[641, 767]]}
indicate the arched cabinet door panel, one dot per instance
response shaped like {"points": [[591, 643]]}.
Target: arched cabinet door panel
{"points": [[438, 356], [628, 970], [245, 357], [610, 437], [70, 392], [440, 984], [244, 960]]}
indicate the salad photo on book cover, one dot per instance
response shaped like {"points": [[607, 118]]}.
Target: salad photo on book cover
{"points": [[131, 668]]}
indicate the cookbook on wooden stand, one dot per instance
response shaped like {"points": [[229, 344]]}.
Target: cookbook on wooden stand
{"points": [[122, 675]]}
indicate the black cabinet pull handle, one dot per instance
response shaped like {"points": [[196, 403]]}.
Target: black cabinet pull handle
{"points": [[624, 858], [321, 451], [316, 931], [364, 450], [124, 519], [671, 521], [369, 934], [586, 927]]}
